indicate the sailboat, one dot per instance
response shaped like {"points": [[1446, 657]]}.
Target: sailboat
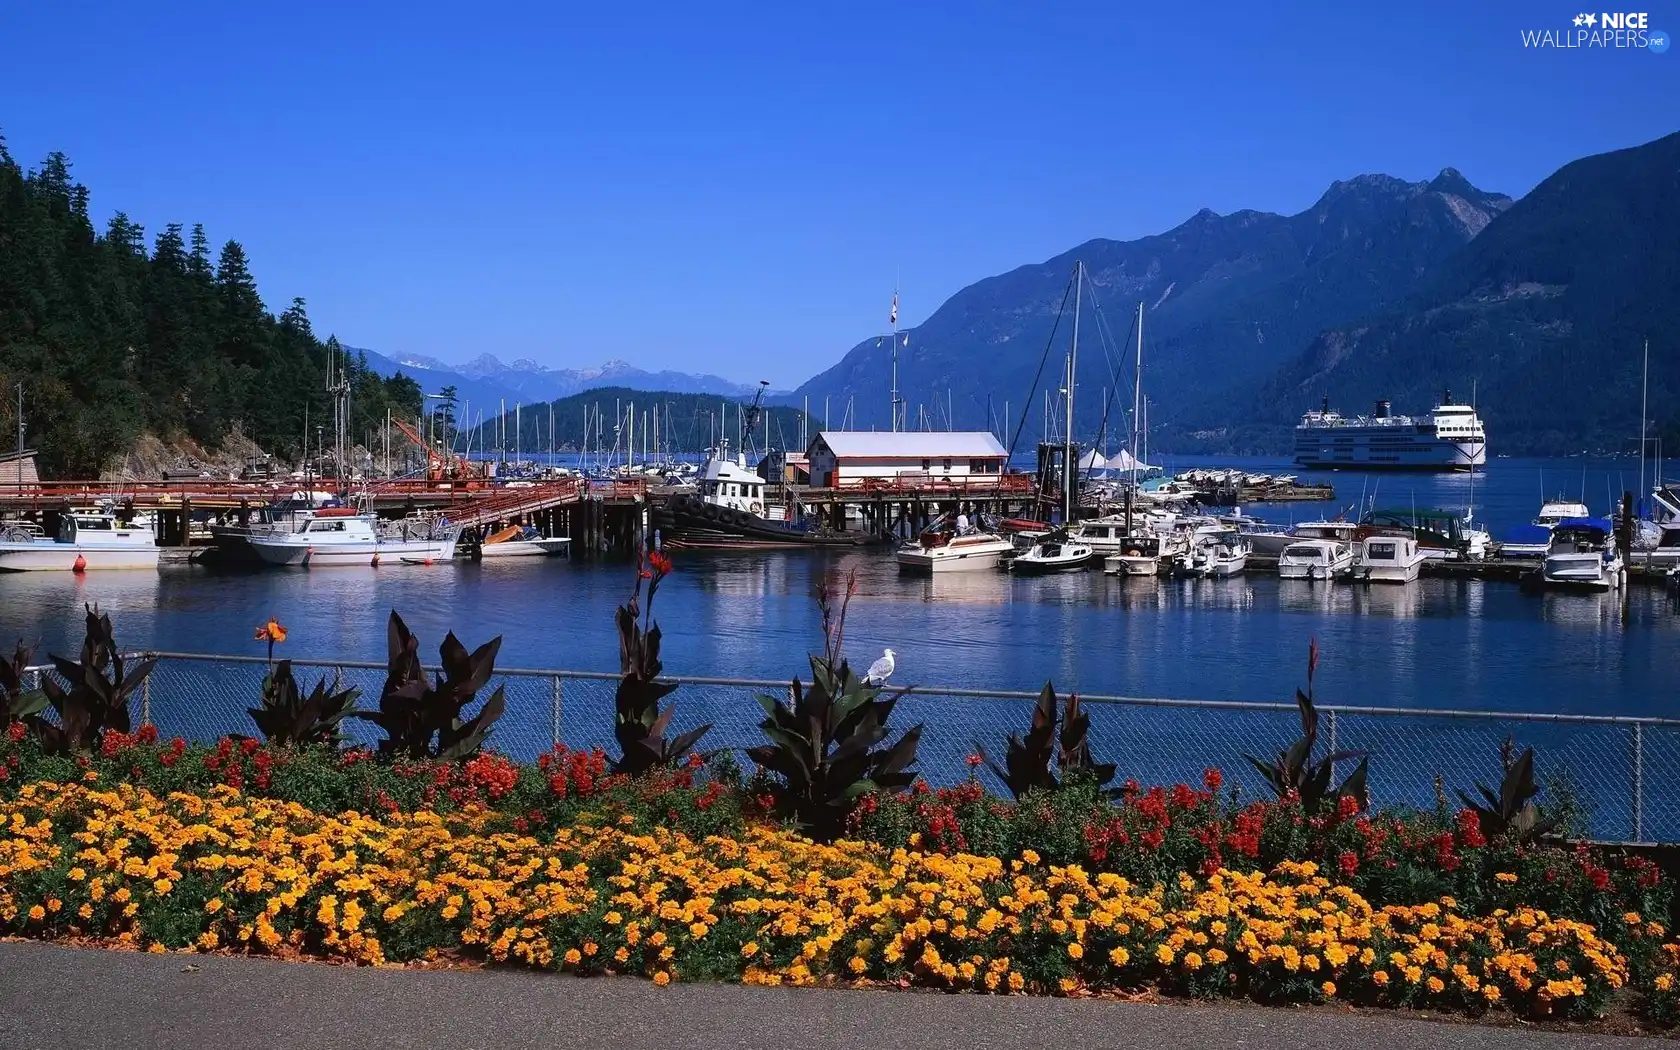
{"points": [[1144, 551]]}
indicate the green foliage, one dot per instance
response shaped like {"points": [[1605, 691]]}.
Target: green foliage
{"points": [[823, 749], [422, 717], [288, 717], [109, 342], [96, 699], [18, 703], [638, 723], [1027, 763], [1294, 772], [1511, 814]]}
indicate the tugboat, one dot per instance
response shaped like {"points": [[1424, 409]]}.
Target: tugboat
{"points": [[730, 510]]}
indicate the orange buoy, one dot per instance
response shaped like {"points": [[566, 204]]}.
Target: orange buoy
{"points": [[81, 564], [428, 561]]}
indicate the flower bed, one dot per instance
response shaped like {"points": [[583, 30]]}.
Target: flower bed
{"points": [[223, 869]]}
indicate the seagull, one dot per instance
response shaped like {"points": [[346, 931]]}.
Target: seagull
{"points": [[880, 670]]}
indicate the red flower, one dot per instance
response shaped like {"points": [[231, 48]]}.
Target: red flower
{"points": [[1348, 862], [1213, 778], [660, 561], [1346, 807], [147, 735], [17, 731], [974, 759]]}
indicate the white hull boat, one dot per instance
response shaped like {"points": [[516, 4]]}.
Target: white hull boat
{"points": [[337, 536], [1315, 560], [1582, 556], [538, 548], [1213, 558], [85, 543], [1141, 556], [946, 552], [1389, 559]]}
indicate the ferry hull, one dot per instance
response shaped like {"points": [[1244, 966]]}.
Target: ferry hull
{"points": [[48, 556], [1427, 454]]}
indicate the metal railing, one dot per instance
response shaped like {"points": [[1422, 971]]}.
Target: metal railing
{"points": [[1616, 775]]}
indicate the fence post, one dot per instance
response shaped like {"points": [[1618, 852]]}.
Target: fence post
{"points": [[1638, 782], [557, 704], [146, 701], [1332, 731]]}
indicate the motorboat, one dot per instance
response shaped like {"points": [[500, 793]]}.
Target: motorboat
{"points": [[84, 543], [1441, 534], [1053, 554], [522, 542], [1272, 543], [1315, 559], [1582, 554], [1388, 559], [1533, 539], [947, 550], [1141, 556], [340, 536], [1213, 555]]}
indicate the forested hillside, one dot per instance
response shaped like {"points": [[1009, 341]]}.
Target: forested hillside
{"points": [[111, 335]]}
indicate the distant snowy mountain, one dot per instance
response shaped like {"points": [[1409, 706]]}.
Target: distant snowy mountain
{"points": [[486, 381]]}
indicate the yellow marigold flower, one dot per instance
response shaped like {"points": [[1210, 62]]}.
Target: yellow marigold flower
{"points": [[37, 913], [1505, 876], [85, 912], [697, 930], [1016, 981], [1434, 984], [1164, 955], [1076, 950], [749, 949], [857, 964], [1632, 918], [1490, 992], [1329, 989], [612, 918], [54, 904], [1217, 957], [622, 955], [1664, 982], [1414, 974], [590, 948], [162, 886], [661, 978], [1380, 978], [1029, 856], [573, 956], [1068, 984], [1119, 956], [992, 981], [77, 874]]}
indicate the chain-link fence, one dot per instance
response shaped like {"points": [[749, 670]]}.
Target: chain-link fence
{"points": [[1616, 775]]}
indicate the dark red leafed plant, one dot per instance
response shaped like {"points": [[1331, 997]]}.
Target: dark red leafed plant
{"points": [[426, 718], [18, 703], [638, 722], [98, 692], [1027, 762], [1294, 773]]}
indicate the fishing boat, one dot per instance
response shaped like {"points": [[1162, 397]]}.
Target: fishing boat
{"points": [[1582, 555], [1315, 560], [1142, 556], [522, 542], [340, 536], [729, 509], [84, 543], [1054, 553], [1388, 559]]}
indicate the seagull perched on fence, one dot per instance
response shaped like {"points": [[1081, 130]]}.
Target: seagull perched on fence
{"points": [[880, 670]]}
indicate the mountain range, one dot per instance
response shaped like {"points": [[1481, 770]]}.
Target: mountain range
{"points": [[486, 381], [1384, 288]]}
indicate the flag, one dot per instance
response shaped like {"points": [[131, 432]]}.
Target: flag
{"points": [[892, 318], [906, 338]]}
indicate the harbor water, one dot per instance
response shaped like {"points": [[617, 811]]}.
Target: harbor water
{"points": [[1435, 643]]}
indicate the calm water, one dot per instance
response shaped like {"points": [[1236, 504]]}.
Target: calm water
{"points": [[1436, 643]]}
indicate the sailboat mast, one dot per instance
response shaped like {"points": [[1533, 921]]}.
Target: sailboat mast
{"points": [[1644, 386], [893, 320], [1070, 468], [1137, 407]]}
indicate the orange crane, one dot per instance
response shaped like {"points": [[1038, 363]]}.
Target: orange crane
{"points": [[438, 466]]}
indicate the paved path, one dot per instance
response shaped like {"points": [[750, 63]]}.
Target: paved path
{"points": [[53, 998]]}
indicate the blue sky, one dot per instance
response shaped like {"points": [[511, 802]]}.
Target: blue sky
{"points": [[736, 188]]}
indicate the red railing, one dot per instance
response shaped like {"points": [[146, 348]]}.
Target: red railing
{"points": [[924, 485]]}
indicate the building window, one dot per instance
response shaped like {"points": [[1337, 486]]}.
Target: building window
{"points": [[927, 464], [947, 466]]}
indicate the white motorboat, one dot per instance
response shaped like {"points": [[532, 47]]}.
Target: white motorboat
{"points": [[1582, 554], [517, 542], [340, 536], [1532, 540], [1217, 555], [1315, 560], [85, 543], [1053, 554], [1272, 543], [1389, 559], [946, 551], [1141, 556]]}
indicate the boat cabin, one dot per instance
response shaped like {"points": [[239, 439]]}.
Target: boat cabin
{"points": [[729, 483], [1580, 536]]}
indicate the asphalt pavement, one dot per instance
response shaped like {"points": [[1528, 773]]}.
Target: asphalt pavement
{"points": [[57, 998]]}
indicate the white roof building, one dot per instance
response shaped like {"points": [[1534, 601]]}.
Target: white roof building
{"points": [[850, 457]]}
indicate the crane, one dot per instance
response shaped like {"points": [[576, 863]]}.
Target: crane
{"points": [[754, 410], [438, 466]]}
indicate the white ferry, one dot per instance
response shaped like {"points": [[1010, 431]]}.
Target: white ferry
{"points": [[1450, 438]]}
